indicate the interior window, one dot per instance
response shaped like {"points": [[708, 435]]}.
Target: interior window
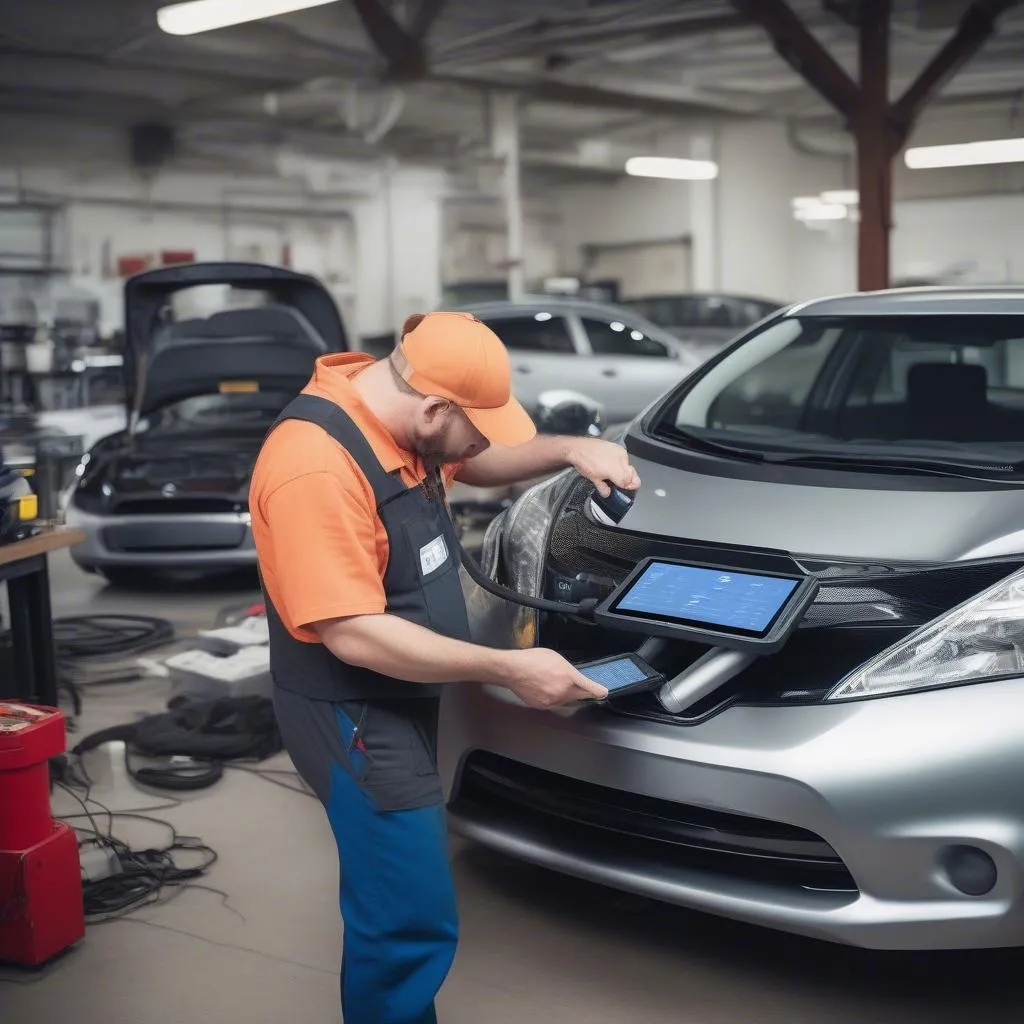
{"points": [[774, 392], [615, 338], [539, 333]]}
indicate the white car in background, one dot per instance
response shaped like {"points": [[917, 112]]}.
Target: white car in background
{"points": [[610, 354]]}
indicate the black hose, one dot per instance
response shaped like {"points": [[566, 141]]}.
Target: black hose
{"points": [[583, 609]]}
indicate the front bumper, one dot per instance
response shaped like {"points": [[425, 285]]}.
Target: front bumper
{"points": [[190, 541], [890, 785]]}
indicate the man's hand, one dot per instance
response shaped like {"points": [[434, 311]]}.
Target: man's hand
{"points": [[543, 679], [600, 461], [403, 650]]}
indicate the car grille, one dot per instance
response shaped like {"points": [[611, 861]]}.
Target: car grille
{"points": [[677, 835], [175, 507], [851, 593], [154, 538]]}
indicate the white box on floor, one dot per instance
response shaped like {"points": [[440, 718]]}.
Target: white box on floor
{"points": [[251, 632], [207, 676]]}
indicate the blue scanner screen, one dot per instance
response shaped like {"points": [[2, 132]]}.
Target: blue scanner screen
{"points": [[733, 600], [615, 674]]}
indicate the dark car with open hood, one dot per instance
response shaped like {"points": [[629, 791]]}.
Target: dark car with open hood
{"points": [[171, 490]]}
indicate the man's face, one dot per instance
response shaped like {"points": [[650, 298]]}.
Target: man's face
{"points": [[442, 434]]}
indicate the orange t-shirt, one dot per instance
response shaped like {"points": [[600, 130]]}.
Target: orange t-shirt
{"points": [[321, 546]]}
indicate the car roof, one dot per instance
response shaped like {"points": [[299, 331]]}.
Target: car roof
{"points": [[566, 304], [990, 300], [550, 303], [736, 296]]}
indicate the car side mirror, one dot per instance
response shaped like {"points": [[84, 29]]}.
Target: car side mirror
{"points": [[569, 413]]}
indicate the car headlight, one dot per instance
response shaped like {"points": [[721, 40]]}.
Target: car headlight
{"points": [[518, 538], [490, 549], [527, 526], [982, 639]]}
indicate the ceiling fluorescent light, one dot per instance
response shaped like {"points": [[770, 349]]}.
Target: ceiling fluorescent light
{"points": [[803, 202], [842, 196], [823, 211], [187, 19], [671, 167], [966, 154]]}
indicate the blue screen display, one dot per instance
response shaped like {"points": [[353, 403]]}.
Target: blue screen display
{"points": [[733, 600], [615, 674]]}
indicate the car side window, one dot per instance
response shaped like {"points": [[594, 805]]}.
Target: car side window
{"points": [[540, 332], [614, 338]]}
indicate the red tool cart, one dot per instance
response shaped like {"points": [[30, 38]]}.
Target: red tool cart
{"points": [[41, 909]]}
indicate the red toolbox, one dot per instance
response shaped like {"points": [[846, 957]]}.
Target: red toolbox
{"points": [[41, 909]]}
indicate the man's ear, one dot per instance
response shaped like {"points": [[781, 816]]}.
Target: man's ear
{"points": [[435, 408]]}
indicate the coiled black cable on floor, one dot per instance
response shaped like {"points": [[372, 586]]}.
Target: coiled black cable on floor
{"points": [[103, 636], [81, 638], [109, 636]]}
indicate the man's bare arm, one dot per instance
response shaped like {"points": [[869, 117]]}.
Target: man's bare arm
{"points": [[401, 649], [596, 459]]}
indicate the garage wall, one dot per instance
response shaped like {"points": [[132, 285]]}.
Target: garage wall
{"points": [[973, 238], [372, 234], [100, 235], [643, 214], [475, 240], [744, 237]]}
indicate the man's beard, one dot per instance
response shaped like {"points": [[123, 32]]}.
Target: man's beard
{"points": [[434, 454], [433, 460]]}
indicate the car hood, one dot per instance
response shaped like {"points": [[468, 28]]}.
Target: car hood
{"points": [[269, 347], [857, 516]]}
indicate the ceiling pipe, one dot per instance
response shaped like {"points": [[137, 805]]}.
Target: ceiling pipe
{"points": [[388, 118], [801, 145]]}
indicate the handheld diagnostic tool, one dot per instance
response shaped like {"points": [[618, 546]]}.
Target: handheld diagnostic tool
{"points": [[622, 674], [610, 510], [745, 609]]}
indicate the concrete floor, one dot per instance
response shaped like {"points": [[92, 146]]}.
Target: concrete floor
{"points": [[535, 946]]}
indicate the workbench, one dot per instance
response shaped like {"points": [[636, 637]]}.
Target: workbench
{"points": [[23, 567]]}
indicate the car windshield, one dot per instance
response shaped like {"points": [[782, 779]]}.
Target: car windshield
{"points": [[220, 412], [914, 389]]}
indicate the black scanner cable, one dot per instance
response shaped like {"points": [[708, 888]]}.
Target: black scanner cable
{"points": [[609, 509]]}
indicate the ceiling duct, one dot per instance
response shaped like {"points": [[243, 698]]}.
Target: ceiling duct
{"points": [[152, 146]]}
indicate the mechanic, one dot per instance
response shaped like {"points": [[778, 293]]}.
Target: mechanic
{"points": [[359, 563]]}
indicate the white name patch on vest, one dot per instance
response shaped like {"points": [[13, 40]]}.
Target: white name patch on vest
{"points": [[433, 555]]}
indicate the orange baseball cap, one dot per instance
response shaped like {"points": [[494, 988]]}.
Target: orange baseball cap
{"points": [[455, 356]]}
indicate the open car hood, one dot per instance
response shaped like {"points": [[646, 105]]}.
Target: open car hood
{"points": [[270, 347]]}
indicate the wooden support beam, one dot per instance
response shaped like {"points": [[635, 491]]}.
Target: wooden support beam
{"points": [[405, 55], [880, 126], [874, 157], [802, 52], [976, 27]]}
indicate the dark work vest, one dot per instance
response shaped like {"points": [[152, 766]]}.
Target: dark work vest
{"points": [[421, 582]]}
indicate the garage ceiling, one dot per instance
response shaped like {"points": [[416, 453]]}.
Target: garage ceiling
{"points": [[586, 70]]}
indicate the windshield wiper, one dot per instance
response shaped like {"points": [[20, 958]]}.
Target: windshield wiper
{"points": [[705, 444], [918, 464], [924, 465]]}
